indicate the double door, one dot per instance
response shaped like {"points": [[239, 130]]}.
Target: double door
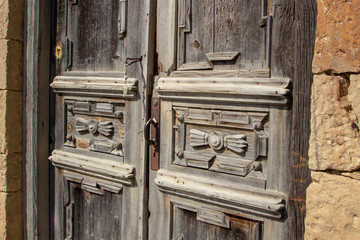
{"points": [[211, 163]]}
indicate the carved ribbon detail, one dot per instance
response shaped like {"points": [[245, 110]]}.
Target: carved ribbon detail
{"points": [[217, 140], [106, 128]]}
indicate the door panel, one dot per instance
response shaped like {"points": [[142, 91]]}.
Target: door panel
{"points": [[93, 207], [222, 124], [188, 225], [206, 31], [101, 108]]}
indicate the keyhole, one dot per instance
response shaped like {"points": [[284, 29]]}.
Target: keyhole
{"points": [[58, 52]]}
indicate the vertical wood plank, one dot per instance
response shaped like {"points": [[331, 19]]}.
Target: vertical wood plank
{"points": [[36, 130], [294, 37]]}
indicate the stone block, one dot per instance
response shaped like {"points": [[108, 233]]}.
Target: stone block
{"points": [[337, 46], [335, 138], [12, 19], [332, 207], [10, 122], [14, 122], [11, 215], [11, 65], [10, 172], [353, 94]]}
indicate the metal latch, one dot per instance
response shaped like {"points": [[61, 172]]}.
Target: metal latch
{"points": [[152, 134]]}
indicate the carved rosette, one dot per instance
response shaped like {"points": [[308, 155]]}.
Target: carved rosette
{"points": [[106, 128], [218, 140]]}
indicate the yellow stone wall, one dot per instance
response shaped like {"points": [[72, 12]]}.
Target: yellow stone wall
{"points": [[333, 197], [11, 70]]}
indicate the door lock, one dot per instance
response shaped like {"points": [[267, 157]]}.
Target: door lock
{"points": [[148, 124], [152, 134]]}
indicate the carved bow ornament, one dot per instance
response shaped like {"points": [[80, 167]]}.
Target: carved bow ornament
{"points": [[106, 128], [217, 140]]}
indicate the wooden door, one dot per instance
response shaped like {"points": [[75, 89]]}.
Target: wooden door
{"points": [[102, 68], [221, 82], [224, 123]]}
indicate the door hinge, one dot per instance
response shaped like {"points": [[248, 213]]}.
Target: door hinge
{"points": [[152, 134]]}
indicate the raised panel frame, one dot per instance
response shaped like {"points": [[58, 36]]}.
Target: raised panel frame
{"points": [[217, 140], [185, 26]]}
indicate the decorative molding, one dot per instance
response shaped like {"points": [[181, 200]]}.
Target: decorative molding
{"points": [[266, 91], [218, 140], [257, 73], [104, 108], [69, 213], [107, 174], [91, 184], [106, 146], [198, 160], [250, 201], [195, 66], [82, 106], [222, 56], [70, 141], [122, 21], [213, 217], [106, 128], [236, 143], [204, 212], [95, 86], [218, 163], [184, 25], [237, 139]]}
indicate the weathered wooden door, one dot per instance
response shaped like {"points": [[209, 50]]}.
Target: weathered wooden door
{"points": [[221, 112], [102, 69], [223, 124]]}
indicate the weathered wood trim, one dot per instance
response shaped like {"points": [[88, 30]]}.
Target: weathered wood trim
{"points": [[205, 213], [108, 172], [259, 73], [222, 56], [95, 86], [263, 203], [35, 118], [93, 185], [269, 91]]}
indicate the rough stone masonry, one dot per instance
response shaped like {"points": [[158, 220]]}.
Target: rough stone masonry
{"points": [[332, 205], [11, 59]]}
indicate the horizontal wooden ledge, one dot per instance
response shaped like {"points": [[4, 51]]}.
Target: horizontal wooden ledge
{"points": [[272, 91], [104, 170], [116, 87], [254, 201]]}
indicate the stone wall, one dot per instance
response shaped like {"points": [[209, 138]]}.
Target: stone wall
{"points": [[332, 205], [11, 65]]}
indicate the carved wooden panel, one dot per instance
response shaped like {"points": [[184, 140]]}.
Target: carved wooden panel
{"points": [[95, 126], [93, 33], [222, 34], [231, 142]]}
